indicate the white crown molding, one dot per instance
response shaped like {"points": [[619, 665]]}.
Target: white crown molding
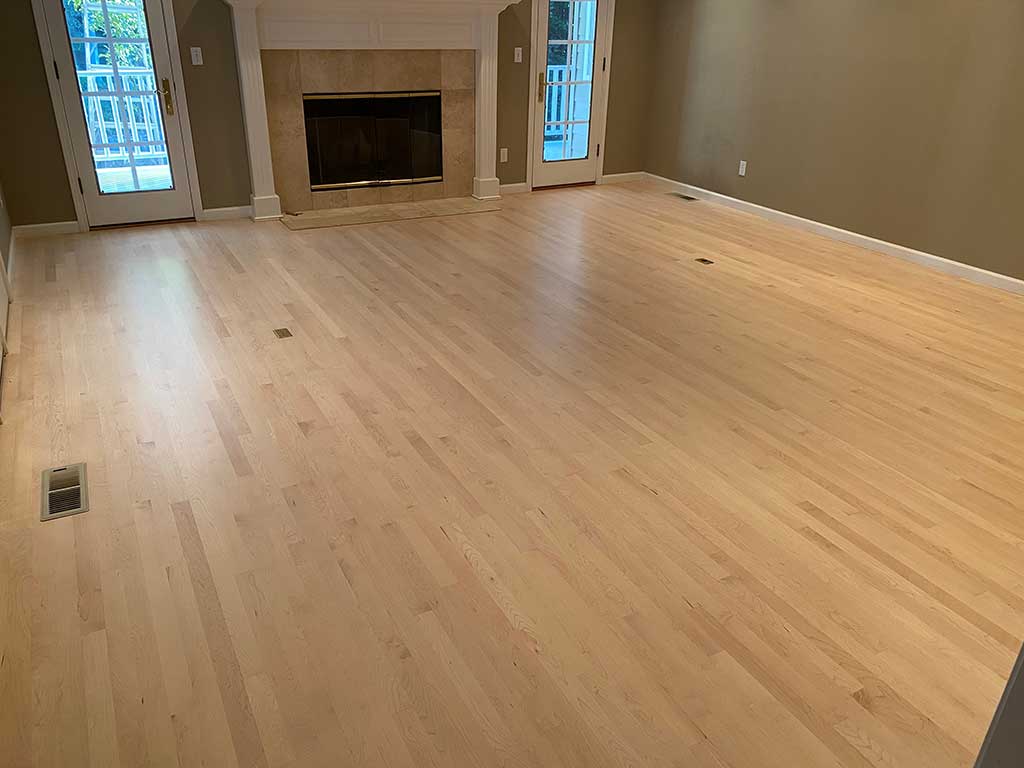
{"points": [[348, 7], [375, 24], [373, 31]]}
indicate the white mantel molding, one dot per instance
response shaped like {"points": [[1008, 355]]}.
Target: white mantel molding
{"points": [[365, 24]]}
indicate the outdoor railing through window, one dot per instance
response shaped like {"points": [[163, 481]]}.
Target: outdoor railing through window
{"points": [[113, 62], [572, 33]]}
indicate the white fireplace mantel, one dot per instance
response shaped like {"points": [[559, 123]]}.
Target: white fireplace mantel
{"points": [[365, 24]]}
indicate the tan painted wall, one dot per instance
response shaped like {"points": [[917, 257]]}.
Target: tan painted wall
{"points": [[514, 89], [629, 90], [898, 120], [31, 162], [214, 102]]}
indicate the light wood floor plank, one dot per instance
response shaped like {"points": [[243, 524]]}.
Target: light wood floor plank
{"points": [[526, 488]]}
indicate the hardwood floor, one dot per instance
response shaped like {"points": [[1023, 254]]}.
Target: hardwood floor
{"points": [[528, 488]]}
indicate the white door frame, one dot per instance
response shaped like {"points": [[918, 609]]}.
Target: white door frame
{"points": [[64, 127], [600, 126]]}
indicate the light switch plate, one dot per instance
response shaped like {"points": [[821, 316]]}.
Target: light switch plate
{"points": [[519, 55], [503, 154], [197, 56]]}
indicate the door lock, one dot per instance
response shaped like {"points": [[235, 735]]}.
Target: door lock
{"points": [[168, 96], [542, 84]]}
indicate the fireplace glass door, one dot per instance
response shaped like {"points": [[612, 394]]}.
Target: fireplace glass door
{"points": [[369, 139]]}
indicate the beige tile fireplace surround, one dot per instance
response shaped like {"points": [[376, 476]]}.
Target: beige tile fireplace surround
{"points": [[287, 74]]}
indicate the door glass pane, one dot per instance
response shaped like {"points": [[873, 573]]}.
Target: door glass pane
{"points": [[123, 113], [572, 32]]}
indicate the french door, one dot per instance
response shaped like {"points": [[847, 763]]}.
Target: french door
{"points": [[113, 62], [572, 90]]}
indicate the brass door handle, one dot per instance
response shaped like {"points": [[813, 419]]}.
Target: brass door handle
{"points": [[542, 84], [168, 96]]}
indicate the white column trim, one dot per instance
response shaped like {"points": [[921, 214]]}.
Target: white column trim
{"points": [[265, 202], [486, 185]]}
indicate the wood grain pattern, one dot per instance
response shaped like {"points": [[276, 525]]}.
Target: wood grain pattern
{"points": [[527, 488]]}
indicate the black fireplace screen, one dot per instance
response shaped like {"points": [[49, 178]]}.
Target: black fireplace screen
{"points": [[373, 138]]}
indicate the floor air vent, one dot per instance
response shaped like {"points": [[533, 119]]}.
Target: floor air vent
{"points": [[681, 196], [64, 492], [282, 333], [704, 261]]}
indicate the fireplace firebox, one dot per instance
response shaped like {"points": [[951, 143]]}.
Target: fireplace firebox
{"points": [[373, 139]]}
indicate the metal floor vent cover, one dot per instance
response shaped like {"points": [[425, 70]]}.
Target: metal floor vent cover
{"points": [[681, 196], [282, 333], [64, 492], [704, 261]]}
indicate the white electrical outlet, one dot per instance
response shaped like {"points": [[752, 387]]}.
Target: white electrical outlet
{"points": [[519, 55], [503, 154], [743, 167], [197, 56]]}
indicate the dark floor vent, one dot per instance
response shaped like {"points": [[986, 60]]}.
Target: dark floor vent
{"points": [[704, 261], [64, 492], [681, 196], [282, 333]]}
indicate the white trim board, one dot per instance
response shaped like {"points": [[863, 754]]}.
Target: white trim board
{"points": [[11, 266], [8, 283], [219, 214], [950, 267], [606, 89], [42, 230], [181, 99], [515, 189], [623, 178]]}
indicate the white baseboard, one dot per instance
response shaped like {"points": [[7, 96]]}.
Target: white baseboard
{"points": [[515, 189], [623, 178], [950, 267], [42, 230], [266, 207], [7, 273], [486, 189], [219, 214], [11, 262]]}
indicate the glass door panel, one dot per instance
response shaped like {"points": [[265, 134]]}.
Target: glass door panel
{"points": [[117, 89], [572, 36], [572, 84], [114, 69]]}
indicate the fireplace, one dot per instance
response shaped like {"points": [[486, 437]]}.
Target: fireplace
{"points": [[373, 139], [287, 48], [345, 126]]}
